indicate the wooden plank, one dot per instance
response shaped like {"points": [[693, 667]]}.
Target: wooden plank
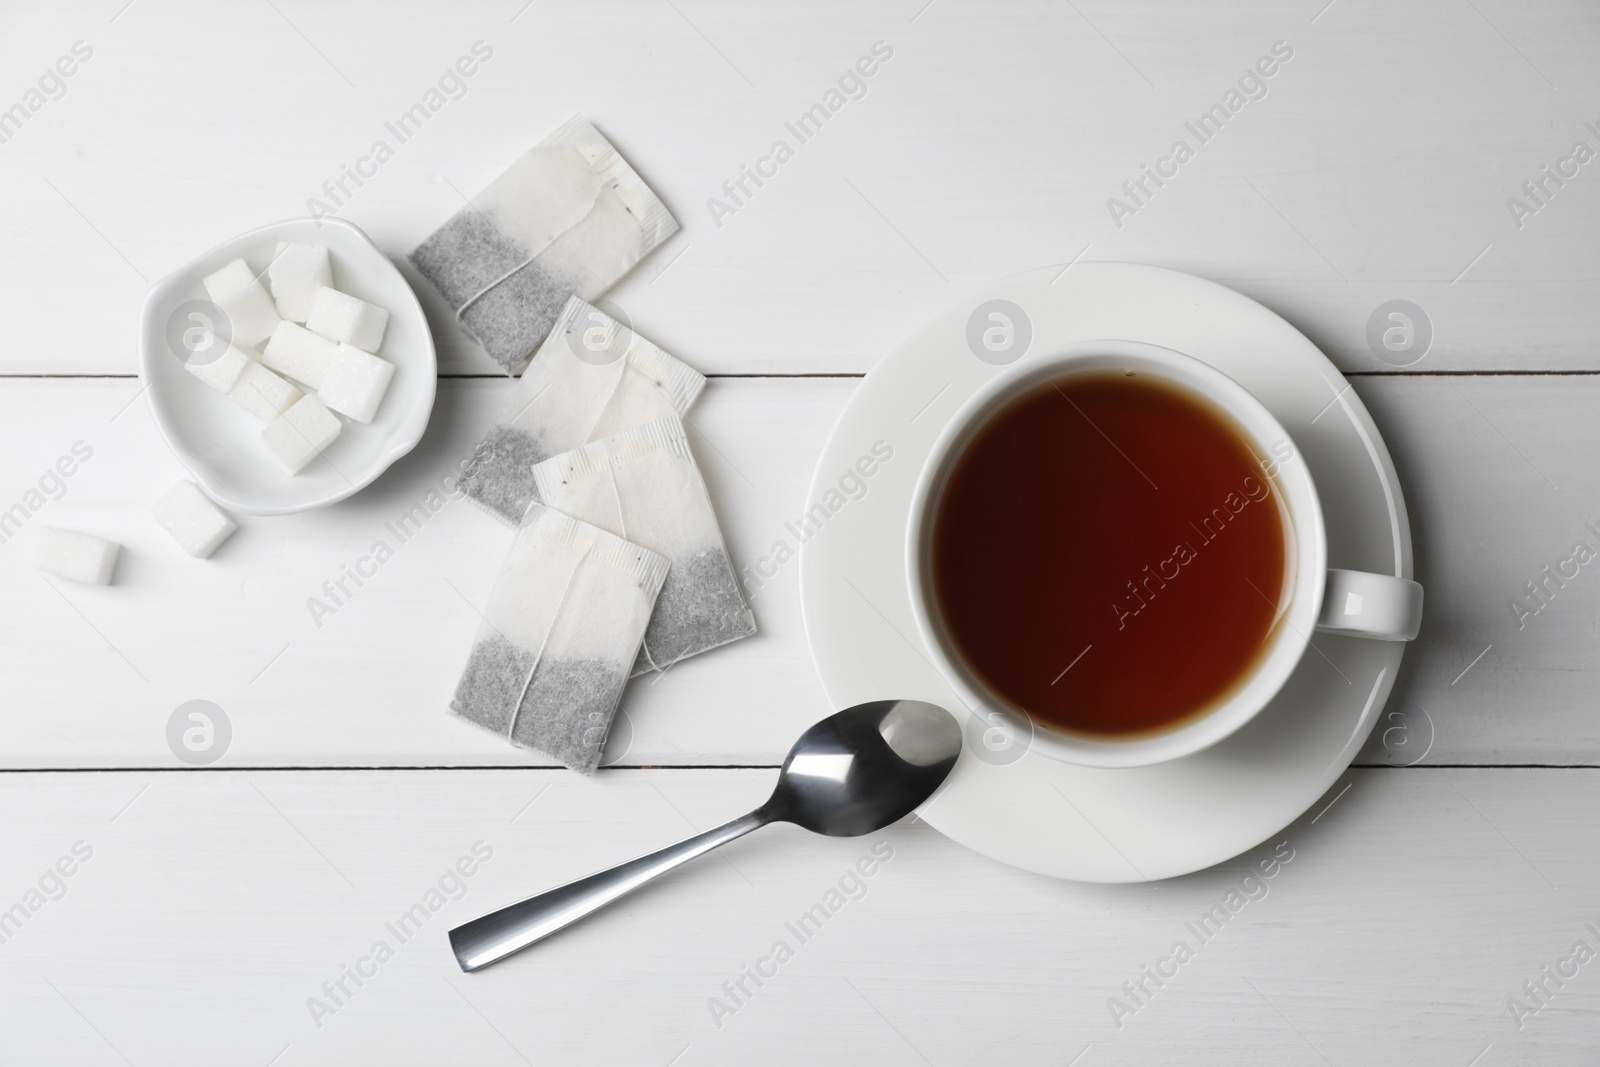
{"points": [[1500, 484], [95, 672], [206, 910], [368, 686], [977, 151], [215, 905]]}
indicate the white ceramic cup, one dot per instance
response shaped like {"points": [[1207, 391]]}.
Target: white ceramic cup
{"points": [[1377, 606]]}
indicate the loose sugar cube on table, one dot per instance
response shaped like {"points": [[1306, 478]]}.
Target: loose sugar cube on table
{"points": [[300, 434], [79, 557], [262, 393], [356, 383], [296, 272], [222, 373], [198, 525], [251, 313], [342, 317], [299, 353]]}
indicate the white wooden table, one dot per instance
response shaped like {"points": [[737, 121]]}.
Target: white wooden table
{"points": [[208, 907]]}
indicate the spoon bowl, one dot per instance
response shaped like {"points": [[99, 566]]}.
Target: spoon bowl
{"points": [[866, 767], [852, 773]]}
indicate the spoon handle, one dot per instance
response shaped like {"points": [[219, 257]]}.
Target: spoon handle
{"points": [[495, 936]]}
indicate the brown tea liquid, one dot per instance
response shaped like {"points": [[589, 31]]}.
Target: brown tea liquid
{"points": [[1108, 555]]}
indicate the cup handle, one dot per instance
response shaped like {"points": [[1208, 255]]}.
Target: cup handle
{"points": [[1379, 606]]}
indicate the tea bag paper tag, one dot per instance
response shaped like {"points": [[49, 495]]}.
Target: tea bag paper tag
{"points": [[563, 400], [559, 637], [643, 484]]}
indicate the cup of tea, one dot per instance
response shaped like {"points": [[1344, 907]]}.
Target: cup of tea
{"points": [[1120, 545]]}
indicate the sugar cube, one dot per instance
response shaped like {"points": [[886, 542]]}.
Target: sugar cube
{"points": [[262, 393], [197, 524], [250, 311], [222, 373], [79, 557], [342, 317], [296, 272], [356, 383], [299, 353], [300, 433]]}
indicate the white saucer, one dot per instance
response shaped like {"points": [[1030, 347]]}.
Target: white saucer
{"points": [[1014, 804]]}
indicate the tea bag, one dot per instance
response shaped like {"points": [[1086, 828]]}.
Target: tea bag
{"points": [[592, 377], [643, 484], [568, 218], [559, 636]]}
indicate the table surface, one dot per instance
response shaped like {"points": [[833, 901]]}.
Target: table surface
{"points": [[1441, 905]]}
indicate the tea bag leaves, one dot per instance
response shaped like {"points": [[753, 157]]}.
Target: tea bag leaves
{"points": [[559, 637], [643, 484], [569, 218], [592, 377]]}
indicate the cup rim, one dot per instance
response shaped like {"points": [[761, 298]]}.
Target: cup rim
{"points": [[1296, 489]]}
